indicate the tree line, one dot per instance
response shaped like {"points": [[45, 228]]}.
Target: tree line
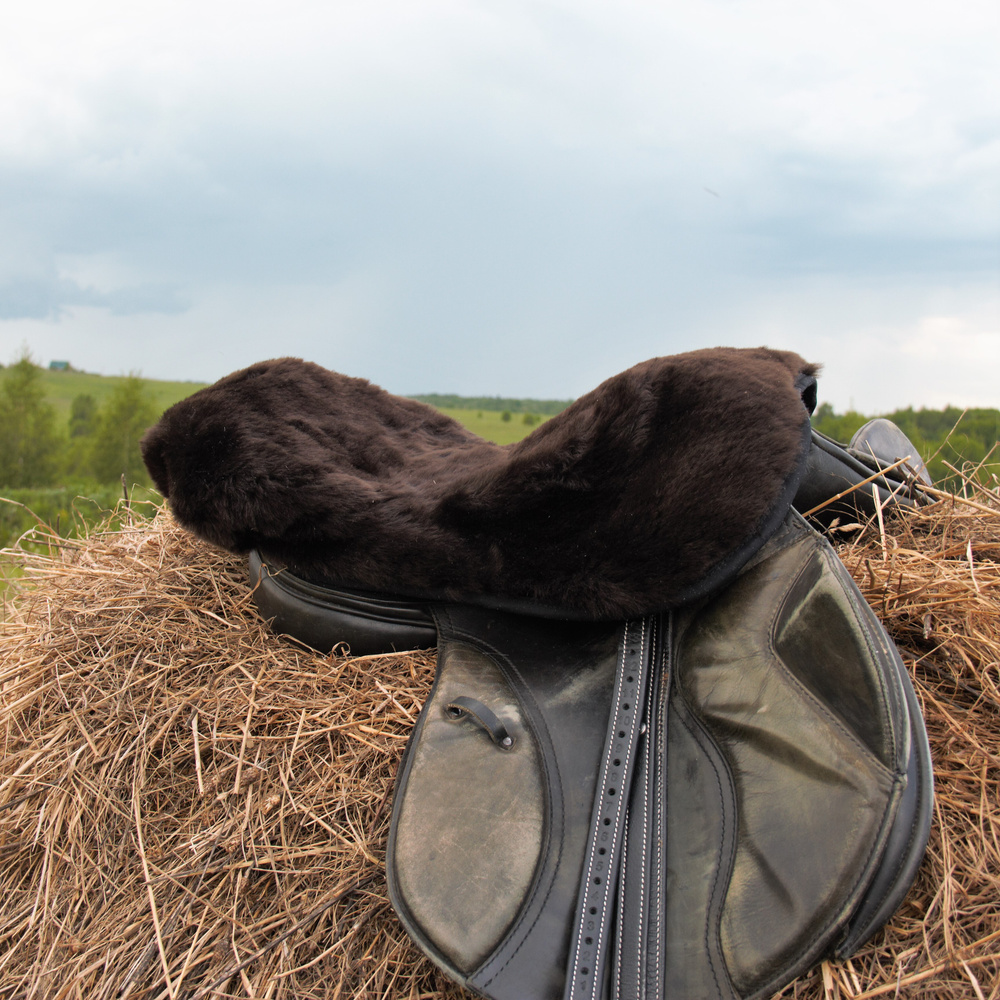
{"points": [[953, 442], [98, 445], [498, 404], [46, 466]]}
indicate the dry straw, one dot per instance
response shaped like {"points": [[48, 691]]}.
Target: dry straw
{"points": [[193, 807]]}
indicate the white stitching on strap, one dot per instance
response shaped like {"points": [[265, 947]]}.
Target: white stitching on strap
{"points": [[582, 981]]}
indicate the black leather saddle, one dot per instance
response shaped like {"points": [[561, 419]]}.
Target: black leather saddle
{"points": [[700, 803], [880, 465], [669, 750]]}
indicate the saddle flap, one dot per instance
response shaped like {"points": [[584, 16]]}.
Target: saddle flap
{"points": [[777, 777], [471, 820], [487, 842]]}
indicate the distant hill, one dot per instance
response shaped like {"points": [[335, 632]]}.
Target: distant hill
{"points": [[62, 387], [495, 404], [482, 415]]}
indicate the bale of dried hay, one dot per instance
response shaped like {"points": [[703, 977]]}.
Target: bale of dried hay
{"points": [[193, 807]]}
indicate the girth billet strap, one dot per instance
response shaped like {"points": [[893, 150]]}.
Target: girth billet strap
{"points": [[590, 950], [638, 968]]}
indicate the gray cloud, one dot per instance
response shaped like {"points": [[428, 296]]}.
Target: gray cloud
{"points": [[51, 298], [449, 194]]}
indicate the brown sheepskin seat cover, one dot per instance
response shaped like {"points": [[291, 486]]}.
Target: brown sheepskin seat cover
{"points": [[648, 491]]}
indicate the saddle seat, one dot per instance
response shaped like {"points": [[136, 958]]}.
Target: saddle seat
{"points": [[648, 491]]}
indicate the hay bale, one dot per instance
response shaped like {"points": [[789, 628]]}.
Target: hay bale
{"points": [[193, 807]]}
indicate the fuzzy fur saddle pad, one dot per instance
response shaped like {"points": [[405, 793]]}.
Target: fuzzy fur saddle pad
{"points": [[648, 491]]}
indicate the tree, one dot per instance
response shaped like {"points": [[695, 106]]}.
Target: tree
{"points": [[82, 416], [121, 422], [29, 444]]}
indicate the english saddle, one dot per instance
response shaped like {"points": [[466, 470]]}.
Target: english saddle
{"points": [[669, 750]]}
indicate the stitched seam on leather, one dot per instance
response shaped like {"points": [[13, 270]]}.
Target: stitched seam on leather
{"points": [[905, 854], [647, 756], [640, 949], [900, 860], [660, 755], [602, 787], [515, 928], [667, 643], [888, 694], [621, 922], [879, 843], [718, 869], [640, 942]]}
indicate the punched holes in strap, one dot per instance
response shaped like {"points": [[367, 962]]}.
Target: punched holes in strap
{"points": [[588, 953], [462, 707]]}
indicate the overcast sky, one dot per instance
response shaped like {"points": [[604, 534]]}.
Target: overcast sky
{"points": [[506, 198]]}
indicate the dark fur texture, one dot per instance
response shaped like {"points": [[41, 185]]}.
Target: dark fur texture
{"points": [[659, 478]]}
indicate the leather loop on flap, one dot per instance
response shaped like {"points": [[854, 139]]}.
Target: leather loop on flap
{"points": [[462, 707]]}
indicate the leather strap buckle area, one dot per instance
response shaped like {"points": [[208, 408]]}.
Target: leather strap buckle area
{"points": [[463, 707], [588, 955]]}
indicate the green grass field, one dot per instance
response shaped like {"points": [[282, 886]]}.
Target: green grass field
{"points": [[490, 425], [62, 387]]}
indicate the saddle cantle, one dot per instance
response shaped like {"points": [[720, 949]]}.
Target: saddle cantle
{"points": [[669, 749], [843, 483]]}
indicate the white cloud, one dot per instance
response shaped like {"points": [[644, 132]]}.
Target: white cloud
{"points": [[883, 344], [542, 193]]}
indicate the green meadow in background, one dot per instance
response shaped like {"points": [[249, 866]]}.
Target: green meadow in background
{"points": [[68, 463]]}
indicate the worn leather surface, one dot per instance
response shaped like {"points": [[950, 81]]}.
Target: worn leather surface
{"points": [[324, 617], [781, 674], [465, 881], [833, 468], [777, 811], [552, 681]]}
